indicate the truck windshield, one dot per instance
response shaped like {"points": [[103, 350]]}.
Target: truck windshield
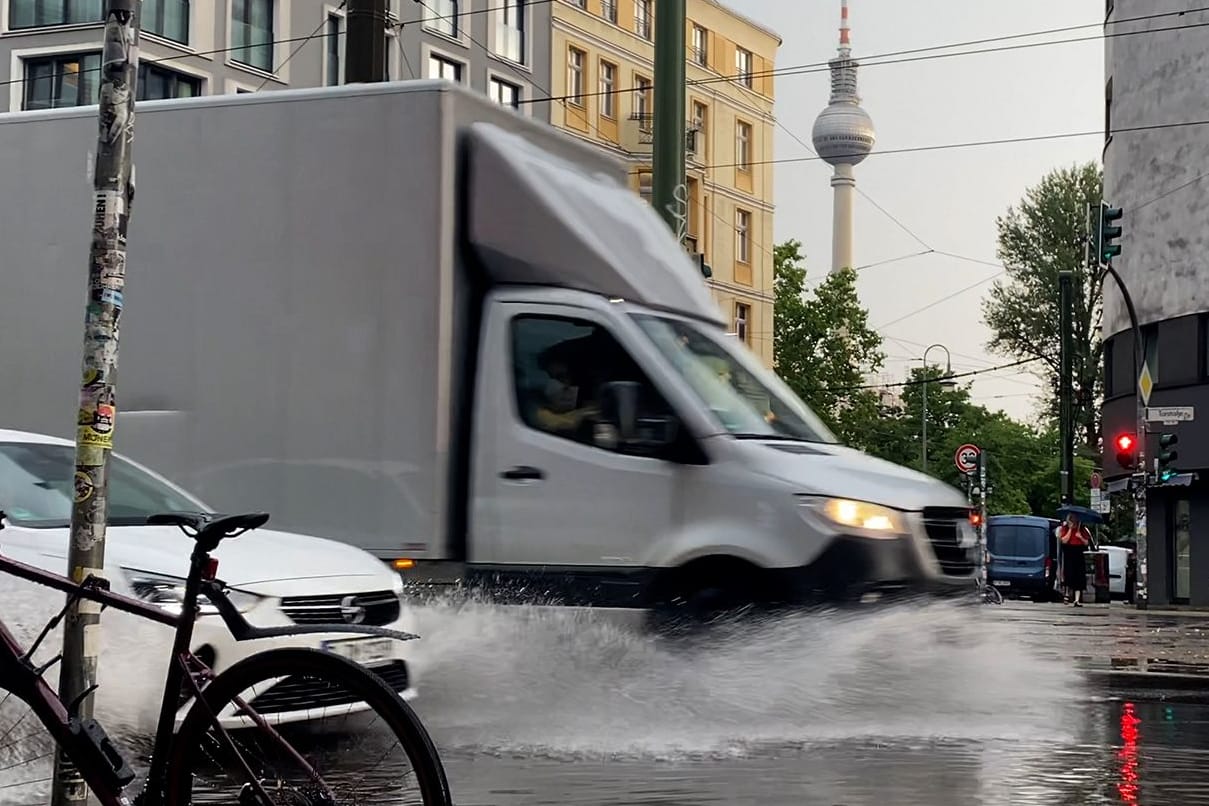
{"points": [[36, 488], [747, 399]]}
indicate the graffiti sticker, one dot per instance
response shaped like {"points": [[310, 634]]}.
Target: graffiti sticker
{"points": [[84, 487]]}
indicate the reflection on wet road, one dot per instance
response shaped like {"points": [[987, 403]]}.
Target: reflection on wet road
{"points": [[1127, 752]]}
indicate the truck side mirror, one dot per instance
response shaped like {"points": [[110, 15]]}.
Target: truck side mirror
{"points": [[619, 407], [634, 432]]}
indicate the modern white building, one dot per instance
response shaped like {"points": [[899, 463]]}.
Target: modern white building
{"points": [[1156, 153]]}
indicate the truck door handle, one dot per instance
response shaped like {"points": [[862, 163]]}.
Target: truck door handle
{"points": [[523, 473]]}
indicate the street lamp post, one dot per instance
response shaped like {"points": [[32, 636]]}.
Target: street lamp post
{"points": [[945, 383]]}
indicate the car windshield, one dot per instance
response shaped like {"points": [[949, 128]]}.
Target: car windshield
{"points": [[37, 488], [747, 399]]}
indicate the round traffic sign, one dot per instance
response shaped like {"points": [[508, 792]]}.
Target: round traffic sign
{"points": [[1096, 480], [966, 458]]}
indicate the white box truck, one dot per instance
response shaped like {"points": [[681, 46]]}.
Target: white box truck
{"points": [[402, 316]]}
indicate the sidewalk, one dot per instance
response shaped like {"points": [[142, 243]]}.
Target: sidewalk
{"points": [[1119, 644]]}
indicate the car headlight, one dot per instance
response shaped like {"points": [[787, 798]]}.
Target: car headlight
{"points": [[168, 592], [858, 517]]}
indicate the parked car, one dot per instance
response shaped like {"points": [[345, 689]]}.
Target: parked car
{"points": [[277, 577], [1023, 554], [1120, 573]]}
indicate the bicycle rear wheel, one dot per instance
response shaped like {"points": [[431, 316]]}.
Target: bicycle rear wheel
{"points": [[330, 723]]}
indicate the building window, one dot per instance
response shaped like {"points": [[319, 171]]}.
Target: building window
{"points": [[335, 36], [166, 18], [742, 318], [742, 236], [575, 76], [252, 33], [608, 90], [441, 16], [642, 18], [68, 79], [608, 10], [643, 101], [700, 122], [441, 67], [743, 145], [579, 3], [700, 53], [39, 13], [1108, 111], [508, 35], [743, 62], [156, 83], [504, 93], [1109, 387]]}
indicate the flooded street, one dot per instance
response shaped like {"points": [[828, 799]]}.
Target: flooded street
{"points": [[912, 705]]}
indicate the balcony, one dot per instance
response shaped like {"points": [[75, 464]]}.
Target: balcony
{"points": [[638, 136]]}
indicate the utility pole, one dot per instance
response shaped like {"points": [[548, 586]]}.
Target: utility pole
{"points": [[1066, 407], [1103, 235], [114, 185], [982, 516], [365, 41], [669, 192]]}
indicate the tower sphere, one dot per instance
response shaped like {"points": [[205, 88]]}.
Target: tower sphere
{"points": [[843, 133]]}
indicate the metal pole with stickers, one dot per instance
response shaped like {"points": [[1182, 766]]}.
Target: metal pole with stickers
{"points": [[97, 411]]}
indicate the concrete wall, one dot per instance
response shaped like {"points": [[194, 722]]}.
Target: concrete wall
{"points": [[1158, 78]]}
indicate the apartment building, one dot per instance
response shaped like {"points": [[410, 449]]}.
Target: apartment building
{"points": [[603, 75], [50, 49]]}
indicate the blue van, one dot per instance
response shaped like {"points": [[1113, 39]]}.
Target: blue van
{"points": [[1023, 556]]}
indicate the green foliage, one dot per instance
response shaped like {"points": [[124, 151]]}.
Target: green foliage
{"points": [[823, 345], [825, 351], [1041, 236]]}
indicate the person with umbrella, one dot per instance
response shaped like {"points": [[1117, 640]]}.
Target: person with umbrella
{"points": [[1075, 539]]}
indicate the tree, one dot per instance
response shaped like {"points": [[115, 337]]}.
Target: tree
{"points": [[823, 346], [1015, 452], [1041, 236]]}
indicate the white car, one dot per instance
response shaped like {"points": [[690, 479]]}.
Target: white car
{"points": [[277, 578], [1118, 560]]}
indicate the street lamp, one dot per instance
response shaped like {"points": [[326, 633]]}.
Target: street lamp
{"points": [[945, 383]]}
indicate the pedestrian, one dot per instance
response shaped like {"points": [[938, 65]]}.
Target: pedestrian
{"points": [[1075, 538]]}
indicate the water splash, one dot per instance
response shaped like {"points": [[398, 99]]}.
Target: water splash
{"points": [[540, 680]]}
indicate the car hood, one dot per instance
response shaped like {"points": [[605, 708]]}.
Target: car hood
{"points": [[262, 561], [839, 471]]}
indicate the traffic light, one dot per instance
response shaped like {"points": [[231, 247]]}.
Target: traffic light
{"points": [[1127, 451], [1106, 235], [1167, 456]]}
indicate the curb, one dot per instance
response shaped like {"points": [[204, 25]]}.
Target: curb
{"points": [[1121, 678]]}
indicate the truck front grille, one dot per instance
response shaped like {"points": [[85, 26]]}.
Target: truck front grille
{"points": [[942, 527], [373, 609]]}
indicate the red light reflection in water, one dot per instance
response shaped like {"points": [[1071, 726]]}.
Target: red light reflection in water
{"points": [[1127, 785]]}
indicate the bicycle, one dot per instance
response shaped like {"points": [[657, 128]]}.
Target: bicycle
{"points": [[218, 701]]}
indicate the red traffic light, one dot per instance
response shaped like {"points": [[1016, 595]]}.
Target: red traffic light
{"points": [[1127, 455]]}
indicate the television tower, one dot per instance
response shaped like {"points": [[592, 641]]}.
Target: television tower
{"points": [[843, 136]]}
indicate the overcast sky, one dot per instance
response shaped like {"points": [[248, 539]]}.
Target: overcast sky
{"points": [[948, 198]]}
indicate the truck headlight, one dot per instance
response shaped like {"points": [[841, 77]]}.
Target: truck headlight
{"points": [[858, 517], [168, 592]]}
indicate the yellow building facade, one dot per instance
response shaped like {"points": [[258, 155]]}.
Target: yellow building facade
{"points": [[603, 75]]}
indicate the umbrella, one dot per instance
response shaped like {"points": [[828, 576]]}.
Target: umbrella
{"points": [[1082, 513]]}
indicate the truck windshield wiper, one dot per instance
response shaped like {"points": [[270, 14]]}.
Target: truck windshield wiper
{"points": [[772, 437]]}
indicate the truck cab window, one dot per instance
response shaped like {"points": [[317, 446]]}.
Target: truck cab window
{"points": [[561, 368]]}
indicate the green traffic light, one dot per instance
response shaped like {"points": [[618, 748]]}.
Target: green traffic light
{"points": [[1107, 234]]}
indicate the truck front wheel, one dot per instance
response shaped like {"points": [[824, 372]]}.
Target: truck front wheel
{"points": [[707, 593]]}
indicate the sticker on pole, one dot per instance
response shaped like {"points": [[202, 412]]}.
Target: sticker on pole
{"points": [[966, 458]]}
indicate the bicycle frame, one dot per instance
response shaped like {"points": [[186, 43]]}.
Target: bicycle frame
{"points": [[84, 741]]}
